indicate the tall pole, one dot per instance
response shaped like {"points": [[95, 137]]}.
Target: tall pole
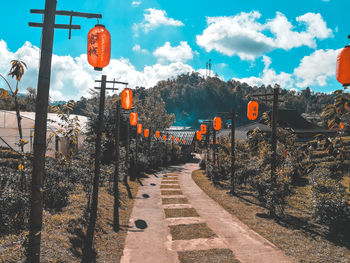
{"points": [[87, 257], [42, 99], [127, 162], [214, 146], [137, 151], [116, 225], [233, 118], [274, 131]]}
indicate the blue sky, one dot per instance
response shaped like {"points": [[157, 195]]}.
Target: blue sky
{"points": [[294, 43]]}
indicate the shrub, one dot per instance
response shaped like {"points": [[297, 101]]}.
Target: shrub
{"points": [[330, 202]]}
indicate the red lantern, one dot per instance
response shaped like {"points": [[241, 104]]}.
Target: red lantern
{"points": [[157, 134], [133, 118], [253, 109], [127, 99], [343, 66], [183, 141], [99, 47], [217, 123], [173, 138], [164, 137], [178, 139], [146, 133], [139, 128], [341, 125], [203, 129], [199, 135]]}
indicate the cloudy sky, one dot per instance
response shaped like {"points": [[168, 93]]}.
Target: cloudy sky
{"points": [[294, 43]]}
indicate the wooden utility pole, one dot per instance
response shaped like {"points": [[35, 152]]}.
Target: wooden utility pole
{"points": [[233, 157], [231, 115], [39, 148], [274, 132], [116, 225], [42, 99], [274, 118], [87, 255]]}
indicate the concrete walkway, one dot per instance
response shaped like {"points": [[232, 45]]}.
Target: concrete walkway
{"points": [[154, 243]]}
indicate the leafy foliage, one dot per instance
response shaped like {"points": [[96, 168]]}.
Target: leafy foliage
{"points": [[331, 201]]}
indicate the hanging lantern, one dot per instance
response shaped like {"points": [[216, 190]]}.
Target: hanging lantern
{"points": [[133, 118], [99, 47], [203, 129], [157, 134], [343, 66], [253, 109], [146, 133], [127, 99], [341, 125], [173, 138], [217, 123], [139, 128], [199, 135], [164, 137], [178, 139], [183, 141]]}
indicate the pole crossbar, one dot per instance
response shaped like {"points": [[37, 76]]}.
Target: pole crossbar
{"points": [[113, 81], [67, 13], [58, 26]]}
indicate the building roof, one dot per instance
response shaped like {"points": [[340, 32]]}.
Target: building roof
{"points": [[53, 120], [187, 135]]}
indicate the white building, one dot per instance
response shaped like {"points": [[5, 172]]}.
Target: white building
{"points": [[9, 136]]}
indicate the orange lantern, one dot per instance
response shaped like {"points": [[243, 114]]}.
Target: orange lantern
{"points": [[199, 135], [203, 129], [127, 99], [183, 141], [164, 137], [173, 138], [157, 134], [343, 66], [99, 47], [341, 125], [217, 123], [133, 118], [178, 139], [253, 109], [139, 128], [146, 133]]}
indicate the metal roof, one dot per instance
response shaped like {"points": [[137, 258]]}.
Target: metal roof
{"points": [[187, 135]]}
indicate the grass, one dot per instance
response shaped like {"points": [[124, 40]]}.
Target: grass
{"points": [[191, 231], [63, 232], [180, 212], [168, 201], [169, 186], [207, 256], [171, 192], [296, 234]]}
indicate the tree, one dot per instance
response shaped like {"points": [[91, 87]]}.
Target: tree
{"points": [[16, 70]]}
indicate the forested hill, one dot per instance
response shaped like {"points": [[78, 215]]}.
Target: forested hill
{"points": [[191, 98]]}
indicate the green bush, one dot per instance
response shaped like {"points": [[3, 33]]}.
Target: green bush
{"points": [[274, 193], [330, 202]]}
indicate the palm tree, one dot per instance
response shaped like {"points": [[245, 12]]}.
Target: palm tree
{"points": [[17, 70]]}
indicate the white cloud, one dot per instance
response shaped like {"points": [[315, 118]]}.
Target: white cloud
{"points": [[137, 48], [154, 18], [72, 78], [180, 53], [136, 3], [316, 68], [243, 35], [269, 77]]}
